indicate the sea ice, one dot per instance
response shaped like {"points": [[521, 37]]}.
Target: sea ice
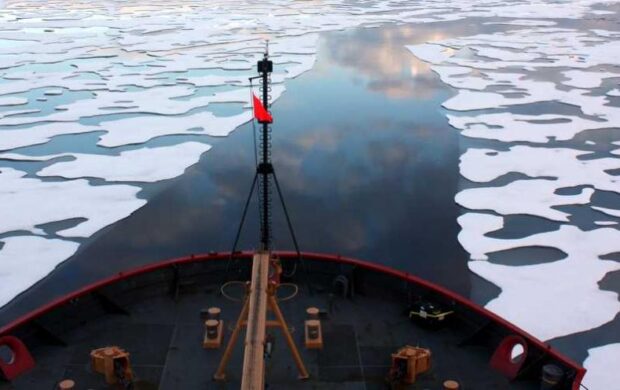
{"points": [[12, 101], [508, 127], [141, 129], [40, 134], [526, 22], [141, 165], [533, 296], [474, 226], [26, 203], [602, 366], [53, 92], [433, 53], [534, 91], [561, 164], [605, 223], [587, 80], [608, 211], [158, 100], [27, 259], [531, 197], [536, 297]]}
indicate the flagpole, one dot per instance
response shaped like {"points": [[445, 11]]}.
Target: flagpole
{"points": [[265, 67]]}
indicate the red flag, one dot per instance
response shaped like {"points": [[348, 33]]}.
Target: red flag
{"points": [[261, 115]]}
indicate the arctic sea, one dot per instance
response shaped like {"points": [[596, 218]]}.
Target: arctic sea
{"points": [[472, 143]]}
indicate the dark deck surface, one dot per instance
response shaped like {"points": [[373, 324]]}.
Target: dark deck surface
{"points": [[163, 333]]}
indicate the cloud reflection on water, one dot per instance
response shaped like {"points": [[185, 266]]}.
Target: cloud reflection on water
{"points": [[382, 57]]}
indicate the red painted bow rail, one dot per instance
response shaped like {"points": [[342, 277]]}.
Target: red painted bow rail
{"points": [[23, 320]]}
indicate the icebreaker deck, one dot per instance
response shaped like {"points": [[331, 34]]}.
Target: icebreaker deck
{"points": [[154, 313]]}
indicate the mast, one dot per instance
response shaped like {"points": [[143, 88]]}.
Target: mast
{"points": [[264, 169], [261, 292]]}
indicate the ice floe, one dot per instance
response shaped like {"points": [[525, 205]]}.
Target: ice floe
{"points": [[27, 202], [53, 92], [40, 134], [158, 100], [530, 91], [508, 127], [526, 22], [605, 223], [608, 211], [12, 101], [429, 52], [587, 80], [474, 226], [602, 366], [141, 165], [141, 129], [561, 165], [528, 197], [535, 296], [550, 47], [27, 259]]}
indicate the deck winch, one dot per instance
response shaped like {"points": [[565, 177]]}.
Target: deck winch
{"points": [[113, 363], [407, 363]]}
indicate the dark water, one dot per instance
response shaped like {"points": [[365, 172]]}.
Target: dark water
{"points": [[363, 152]]}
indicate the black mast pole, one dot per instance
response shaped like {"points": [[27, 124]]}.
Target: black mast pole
{"points": [[265, 66], [263, 171]]}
